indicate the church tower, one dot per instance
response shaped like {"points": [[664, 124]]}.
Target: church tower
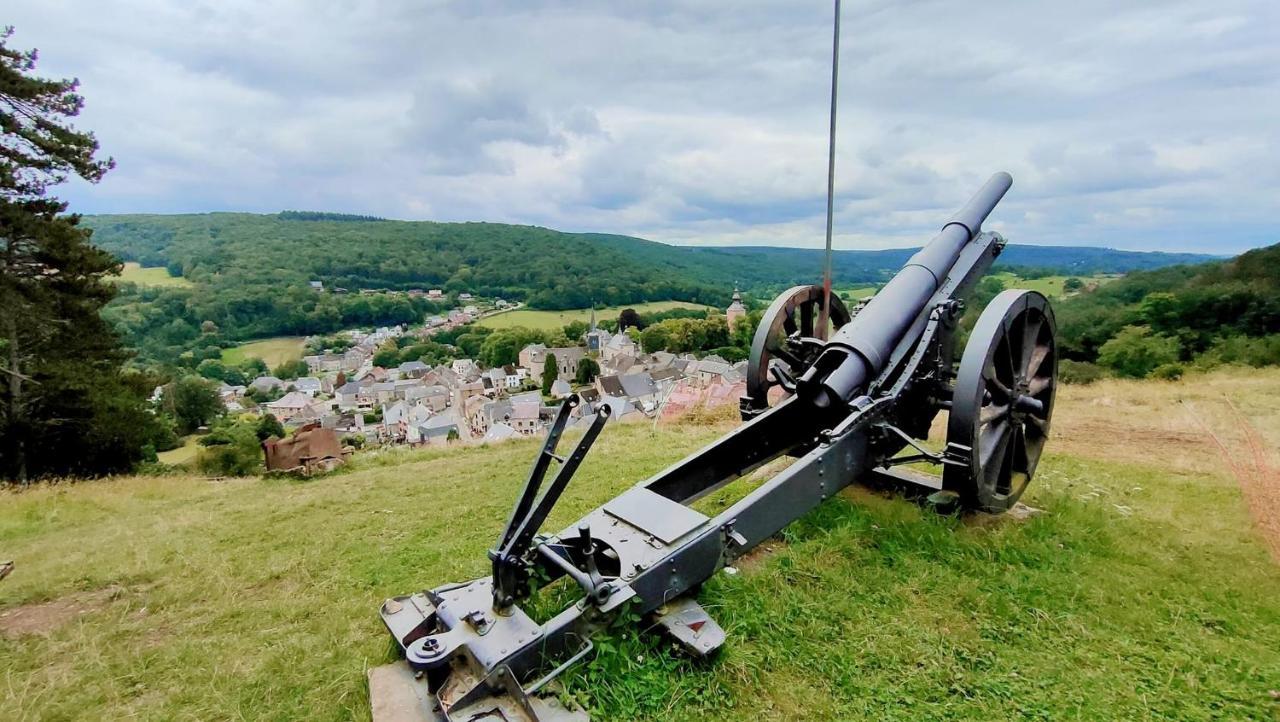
{"points": [[736, 310]]}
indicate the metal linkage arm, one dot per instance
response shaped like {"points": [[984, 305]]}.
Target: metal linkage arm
{"points": [[509, 564], [539, 470]]}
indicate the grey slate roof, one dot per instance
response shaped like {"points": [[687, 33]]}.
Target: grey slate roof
{"points": [[641, 384]]}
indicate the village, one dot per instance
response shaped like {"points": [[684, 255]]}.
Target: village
{"points": [[462, 402]]}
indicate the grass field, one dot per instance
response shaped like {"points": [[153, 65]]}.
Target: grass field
{"points": [[550, 320], [182, 455], [274, 351], [1142, 590], [1050, 286], [135, 273], [857, 292]]}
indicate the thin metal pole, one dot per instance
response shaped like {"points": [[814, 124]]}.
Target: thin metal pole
{"points": [[831, 178]]}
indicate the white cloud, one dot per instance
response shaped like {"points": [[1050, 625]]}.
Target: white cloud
{"points": [[1140, 125]]}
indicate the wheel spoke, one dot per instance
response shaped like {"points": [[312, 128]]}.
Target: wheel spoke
{"points": [[785, 355], [995, 450], [1027, 346], [1018, 450], [992, 413], [995, 384], [1040, 424], [1011, 363], [1038, 356], [1038, 385], [806, 319]]}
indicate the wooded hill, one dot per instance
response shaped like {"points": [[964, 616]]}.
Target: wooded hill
{"points": [[1220, 312], [543, 267]]}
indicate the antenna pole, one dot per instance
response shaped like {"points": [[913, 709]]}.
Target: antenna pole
{"points": [[831, 178]]}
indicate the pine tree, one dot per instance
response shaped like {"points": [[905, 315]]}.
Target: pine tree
{"points": [[65, 406], [550, 372]]}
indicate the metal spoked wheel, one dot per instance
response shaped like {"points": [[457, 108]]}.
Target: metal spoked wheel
{"points": [[787, 342], [1003, 401]]}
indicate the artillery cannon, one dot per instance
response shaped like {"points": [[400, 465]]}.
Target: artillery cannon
{"points": [[850, 399]]}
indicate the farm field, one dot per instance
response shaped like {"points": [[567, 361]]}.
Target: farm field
{"points": [[135, 273], [1050, 286], [550, 320], [1140, 590], [273, 351]]}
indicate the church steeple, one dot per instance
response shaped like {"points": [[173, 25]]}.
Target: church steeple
{"points": [[736, 310]]}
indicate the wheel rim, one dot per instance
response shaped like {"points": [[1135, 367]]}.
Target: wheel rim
{"points": [[779, 348], [1003, 400]]}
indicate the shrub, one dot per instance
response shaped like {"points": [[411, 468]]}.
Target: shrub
{"points": [[1136, 352], [231, 449], [1259, 351], [1079, 372], [1168, 372]]}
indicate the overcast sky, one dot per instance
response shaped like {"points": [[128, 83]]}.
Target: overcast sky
{"points": [[1144, 125]]}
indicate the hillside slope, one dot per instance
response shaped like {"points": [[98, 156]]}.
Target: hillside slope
{"points": [[1141, 591], [1198, 306], [549, 269]]}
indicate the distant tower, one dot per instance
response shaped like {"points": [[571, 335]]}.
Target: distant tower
{"points": [[736, 310]]}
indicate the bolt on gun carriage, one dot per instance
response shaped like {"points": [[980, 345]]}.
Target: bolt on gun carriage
{"points": [[846, 401]]}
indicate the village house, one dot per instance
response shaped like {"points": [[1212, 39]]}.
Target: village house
{"points": [[710, 370], [534, 356], [463, 392], [265, 384], [526, 418], [413, 370], [289, 405], [435, 294], [308, 385], [466, 368], [560, 389], [620, 344], [514, 376], [499, 432], [323, 363], [355, 395], [640, 389], [465, 297], [437, 429], [483, 415]]}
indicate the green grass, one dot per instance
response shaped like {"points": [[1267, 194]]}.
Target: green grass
{"points": [[1141, 592], [182, 455], [857, 292], [135, 273], [1050, 286], [552, 320], [274, 351]]}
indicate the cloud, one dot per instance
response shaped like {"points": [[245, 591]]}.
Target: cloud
{"points": [[1139, 125]]}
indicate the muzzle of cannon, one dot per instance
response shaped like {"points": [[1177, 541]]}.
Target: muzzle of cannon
{"points": [[851, 401], [861, 348]]}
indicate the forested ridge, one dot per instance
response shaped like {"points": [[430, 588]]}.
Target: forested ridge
{"points": [[543, 267], [1162, 321]]}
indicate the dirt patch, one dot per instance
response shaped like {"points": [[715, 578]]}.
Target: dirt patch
{"points": [[1246, 454], [44, 618]]}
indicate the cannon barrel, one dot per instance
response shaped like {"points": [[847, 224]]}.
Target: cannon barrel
{"points": [[860, 350]]}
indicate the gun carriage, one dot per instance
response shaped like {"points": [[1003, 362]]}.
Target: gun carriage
{"points": [[849, 395]]}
